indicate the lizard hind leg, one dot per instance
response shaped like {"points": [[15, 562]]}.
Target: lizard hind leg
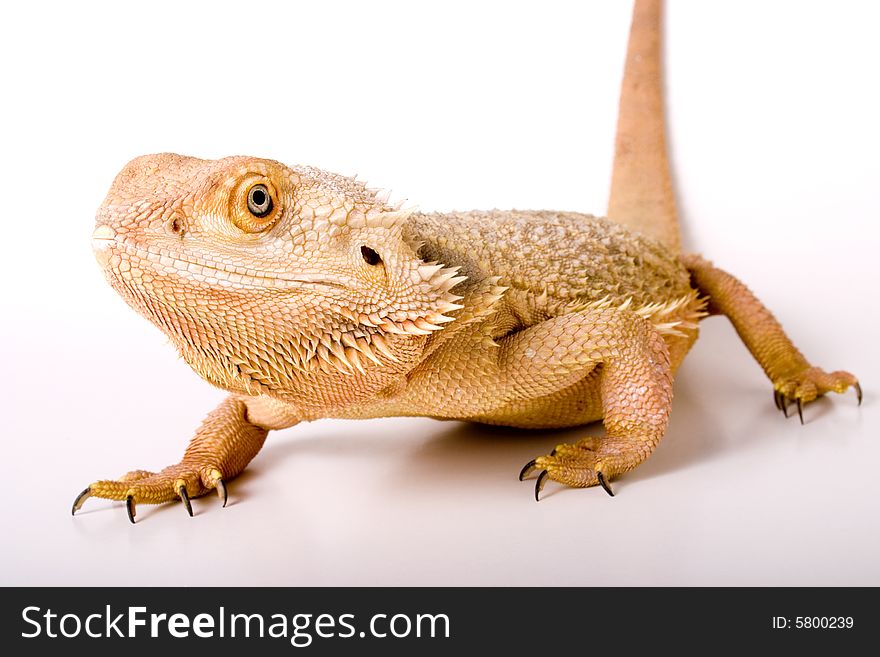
{"points": [[794, 379], [224, 444]]}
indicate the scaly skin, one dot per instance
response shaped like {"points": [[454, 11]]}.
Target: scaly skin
{"points": [[534, 319], [305, 295], [641, 184]]}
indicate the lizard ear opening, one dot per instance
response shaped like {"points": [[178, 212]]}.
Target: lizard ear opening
{"points": [[370, 256]]}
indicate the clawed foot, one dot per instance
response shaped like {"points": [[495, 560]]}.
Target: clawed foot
{"points": [[809, 384], [181, 481], [578, 465]]}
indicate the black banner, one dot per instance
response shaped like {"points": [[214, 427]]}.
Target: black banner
{"points": [[277, 621]]}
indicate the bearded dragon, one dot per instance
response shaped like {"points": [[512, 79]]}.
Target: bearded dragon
{"points": [[307, 295]]}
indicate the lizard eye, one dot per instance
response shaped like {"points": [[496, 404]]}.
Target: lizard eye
{"points": [[259, 201], [254, 204]]}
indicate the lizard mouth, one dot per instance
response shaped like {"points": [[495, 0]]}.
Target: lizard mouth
{"points": [[102, 242], [211, 272]]}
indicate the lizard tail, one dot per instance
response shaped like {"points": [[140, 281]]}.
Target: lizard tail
{"points": [[641, 186]]}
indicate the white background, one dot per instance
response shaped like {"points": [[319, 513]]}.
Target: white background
{"points": [[773, 112]]}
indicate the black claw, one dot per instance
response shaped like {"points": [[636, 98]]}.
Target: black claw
{"points": [[858, 392], [784, 405], [129, 506], [777, 399], [539, 484], [221, 491], [800, 405], [185, 497], [78, 502], [527, 468], [553, 453], [604, 483]]}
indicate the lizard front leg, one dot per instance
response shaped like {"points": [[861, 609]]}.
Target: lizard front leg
{"points": [[794, 379], [224, 444], [630, 363]]}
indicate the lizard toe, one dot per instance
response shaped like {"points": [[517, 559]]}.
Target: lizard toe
{"points": [[591, 461], [572, 465], [808, 385], [177, 482]]}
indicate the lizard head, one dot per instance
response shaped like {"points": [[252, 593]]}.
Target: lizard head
{"points": [[263, 274]]}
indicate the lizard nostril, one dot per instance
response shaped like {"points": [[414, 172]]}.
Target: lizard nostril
{"points": [[174, 225]]}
